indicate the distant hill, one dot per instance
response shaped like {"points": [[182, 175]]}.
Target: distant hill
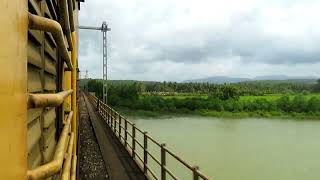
{"points": [[284, 77], [227, 79]]}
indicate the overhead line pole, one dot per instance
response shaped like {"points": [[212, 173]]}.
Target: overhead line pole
{"points": [[104, 28]]}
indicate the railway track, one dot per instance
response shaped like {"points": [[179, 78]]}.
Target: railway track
{"points": [[118, 163], [91, 163]]}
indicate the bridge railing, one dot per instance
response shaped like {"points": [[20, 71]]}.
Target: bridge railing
{"points": [[128, 134]]}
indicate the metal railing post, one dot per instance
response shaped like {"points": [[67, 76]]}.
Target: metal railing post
{"points": [[125, 133], [108, 116], [114, 121], [133, 140], [98, 105], [111, 120], [102, 108], [119, 127], [163, 162], [195, 173], [104, 111], [145, 152]]}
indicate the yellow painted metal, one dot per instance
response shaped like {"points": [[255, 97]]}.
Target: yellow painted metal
{"points": [[67, 86], [33, 134], [64, 19], [74, 88], [67, 163], [71, 17], [49, 25], [13, 87], [47, 100], [74, 167], [55, 165]]}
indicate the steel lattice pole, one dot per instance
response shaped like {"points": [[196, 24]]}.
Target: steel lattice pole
{"points": [[104, 34], [104, 28]]}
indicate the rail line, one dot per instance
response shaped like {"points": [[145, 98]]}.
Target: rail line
{"points": [[118, 163], [127, 134]]}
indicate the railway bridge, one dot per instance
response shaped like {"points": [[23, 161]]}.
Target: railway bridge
{"points": [[125, 148]]}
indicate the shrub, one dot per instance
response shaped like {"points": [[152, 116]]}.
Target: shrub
{"points": [[299, 104], [284, 103], [313, 104]]}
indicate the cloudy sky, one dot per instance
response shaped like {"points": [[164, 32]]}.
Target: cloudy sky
{"points": [[175, 40]]}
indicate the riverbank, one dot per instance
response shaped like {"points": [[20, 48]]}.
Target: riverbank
{"points": [[221, 114]]}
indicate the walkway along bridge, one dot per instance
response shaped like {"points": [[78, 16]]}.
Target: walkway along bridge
{"points": [[136, 143]]}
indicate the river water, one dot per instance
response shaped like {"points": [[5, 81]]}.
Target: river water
{"points": [[240, 149]]}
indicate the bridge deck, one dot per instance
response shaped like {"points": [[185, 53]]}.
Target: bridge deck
{"points": [[118, 163]]}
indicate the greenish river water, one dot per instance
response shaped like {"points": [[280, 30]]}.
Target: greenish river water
{"points": [[240, 149]]}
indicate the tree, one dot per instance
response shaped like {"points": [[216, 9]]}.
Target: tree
{"points": [[317, 86], [314, 104], [263, 104], [215, 104], [283, 103], [96, 87], [299, 104], [228, 92]]}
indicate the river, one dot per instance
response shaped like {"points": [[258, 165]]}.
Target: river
{"points": [[241, 149]]}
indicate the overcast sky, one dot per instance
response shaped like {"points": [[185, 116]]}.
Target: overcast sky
{"points": [[175, 40]]}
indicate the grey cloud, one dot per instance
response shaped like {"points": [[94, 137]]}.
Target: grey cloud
{"points": [[144, 35]]}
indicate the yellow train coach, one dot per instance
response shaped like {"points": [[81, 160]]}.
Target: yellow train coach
{"points": [[38, 89]]}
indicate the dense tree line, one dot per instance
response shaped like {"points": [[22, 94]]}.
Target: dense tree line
{"points": [[224, 98], [298, 104], [94, 86], [243, 88]]}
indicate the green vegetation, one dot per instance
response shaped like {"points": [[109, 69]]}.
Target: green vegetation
{"points": [[228, 100]]}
